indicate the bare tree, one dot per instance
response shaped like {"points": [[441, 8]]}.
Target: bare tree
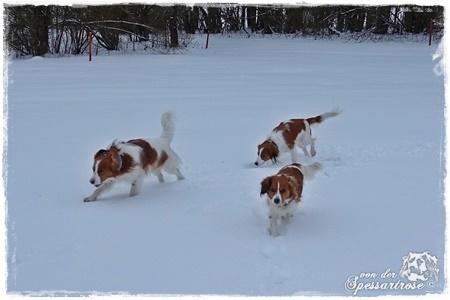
{"points": [[40, 30]]}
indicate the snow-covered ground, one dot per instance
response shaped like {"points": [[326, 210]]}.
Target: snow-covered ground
{"points": [[379, 197]]}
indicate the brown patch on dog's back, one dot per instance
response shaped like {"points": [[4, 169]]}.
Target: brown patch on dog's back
{"points": [[148, 155], [290, 130], [296, 178], [162, 159]]}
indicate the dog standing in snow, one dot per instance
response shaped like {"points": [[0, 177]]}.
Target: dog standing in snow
{"points": [[131, 161], [291, 134], [284, 192]]}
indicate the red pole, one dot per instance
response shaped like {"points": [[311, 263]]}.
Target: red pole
{"points": [[207, 39], [431, 32], [90, 45]]}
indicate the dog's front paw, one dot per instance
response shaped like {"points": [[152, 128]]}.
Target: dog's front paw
{"points": [[89, 199], [287, 218], [273, 232]]}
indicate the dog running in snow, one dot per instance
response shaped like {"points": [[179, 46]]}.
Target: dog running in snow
{"points": [[284, 192], [131, 161], [288, 135]]}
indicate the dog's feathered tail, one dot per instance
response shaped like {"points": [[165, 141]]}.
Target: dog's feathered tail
{"points": [[319, 119], [168, 125], [310, 171]]}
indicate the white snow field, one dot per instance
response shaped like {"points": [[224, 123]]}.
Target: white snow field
{"points": [[379, 197]]}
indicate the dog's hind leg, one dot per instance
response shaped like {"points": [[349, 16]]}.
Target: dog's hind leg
{"points": [[179, 175], [303, 140], [159, 175], [304, 150], [294, 155], [173, 169], [313, 149]]}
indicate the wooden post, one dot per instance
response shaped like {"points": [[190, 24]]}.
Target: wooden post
{"points": [[431, 32], [207, 39], [90, 45]]}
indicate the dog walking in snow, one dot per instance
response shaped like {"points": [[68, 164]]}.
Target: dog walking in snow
{"points": [[291, 134], [133, 160], [284, 192]]}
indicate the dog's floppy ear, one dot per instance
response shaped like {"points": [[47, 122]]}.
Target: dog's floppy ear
{"points": [[274, 159], [265, 184], [274, 152], [100, 153]]}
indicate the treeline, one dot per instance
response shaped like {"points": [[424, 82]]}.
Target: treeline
{"points": [[41, 30]]}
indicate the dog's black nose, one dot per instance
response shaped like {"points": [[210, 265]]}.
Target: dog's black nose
{"points": [[276, 200], [91, 181], [256, 163]]}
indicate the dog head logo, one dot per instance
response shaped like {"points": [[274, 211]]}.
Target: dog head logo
{"points": [[419, 267]]}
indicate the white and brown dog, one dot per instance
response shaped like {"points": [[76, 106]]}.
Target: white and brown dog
{"points": [[131, 161], [291, 134], [284, 192]]}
